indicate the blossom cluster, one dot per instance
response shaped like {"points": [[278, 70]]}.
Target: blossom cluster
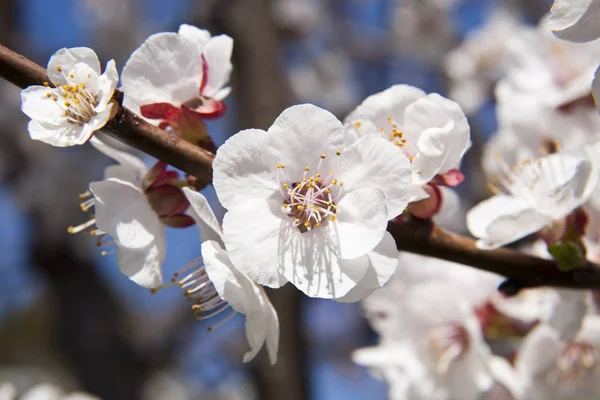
{"points": [[308, 201]]}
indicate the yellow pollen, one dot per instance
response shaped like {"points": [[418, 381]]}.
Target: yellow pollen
{"points": [[280, 166], [334, 182], [71, 75], [318, 224], [70, 229], [323, 156], [306, 169], [338, 153], [46, 84], [59, 69], [303, 179], [306, 224], [341, 183], [48, 94], [66, 103], [300, 208], [57, 84], [357, 124], [327, 191], [285, 185], [330, 172], [318, 176], [332, 218], [297, 220]]}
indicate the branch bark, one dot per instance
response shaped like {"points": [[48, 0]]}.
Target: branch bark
{"points": [[417, 237]]}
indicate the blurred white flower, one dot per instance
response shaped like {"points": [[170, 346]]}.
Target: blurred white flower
{"points": [[537, 192], [551, 71], [79, 104], [46, 391], [304, 209], [171, 73], [576, 20], [439, 351], [549, 368], [479, 62]]}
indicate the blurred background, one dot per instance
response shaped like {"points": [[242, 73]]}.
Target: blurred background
{"points": [[67, 315]]}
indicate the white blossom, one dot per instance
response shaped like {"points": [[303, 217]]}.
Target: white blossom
{"points": [[172, 72], [79, 104], [538, 192], [431, 130], [304, 209], [576, 20]]}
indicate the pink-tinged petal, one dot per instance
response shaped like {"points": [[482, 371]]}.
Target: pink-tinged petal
{"points": [[451, 178], [450, 206], [383, 261], [167, 200], [166, 68], [374, 162], [427, 208], [207, 107], [217, 56], [158, 110], [576, 20], [239, 173], [66, 59], [298, 138]]}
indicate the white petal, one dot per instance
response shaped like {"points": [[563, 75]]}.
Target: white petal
{"points": [[239, 173], [361, 220], [503, 219], [107, 83], [373, 161], [135, 168], [576, 20], [538, 352], [38, 106], [251, 236], [196, 35], [450, 206], [298, 138], [200, 210], [383, 261], [443, 135], [83, 73], [123, 211], [43, 391], [58, 135], [217, 54], [391, 102], [66, 60], [166, 68], [245, 297]]}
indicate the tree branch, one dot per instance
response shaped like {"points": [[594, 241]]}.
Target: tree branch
{"points": [[421, 237]]}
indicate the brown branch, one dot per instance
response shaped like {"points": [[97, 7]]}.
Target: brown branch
{"points": [[419, 237]]}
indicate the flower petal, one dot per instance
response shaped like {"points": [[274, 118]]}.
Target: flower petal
{"points": [[200, 210], [123, 212], [503, 219], [596, 87], [373, 161], [391, 102], [196, 35], [217, 55], [38, 106], [58, 135], [245, 297], [361, 220], [166, 68], [65, 59], [576, 20], [298, 138], [383, 261], [239, 173], [251, 236], [443, 135], [134, 166]]}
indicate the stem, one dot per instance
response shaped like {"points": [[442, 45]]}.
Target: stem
{"points": [[421, 237]]}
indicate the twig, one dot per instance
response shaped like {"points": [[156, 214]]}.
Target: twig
{"points": [[421, 237]]}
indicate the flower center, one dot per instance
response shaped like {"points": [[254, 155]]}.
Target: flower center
{"points": [[578, 361], [76, 102], [198, 288], [448, 343], [311, 201]]}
